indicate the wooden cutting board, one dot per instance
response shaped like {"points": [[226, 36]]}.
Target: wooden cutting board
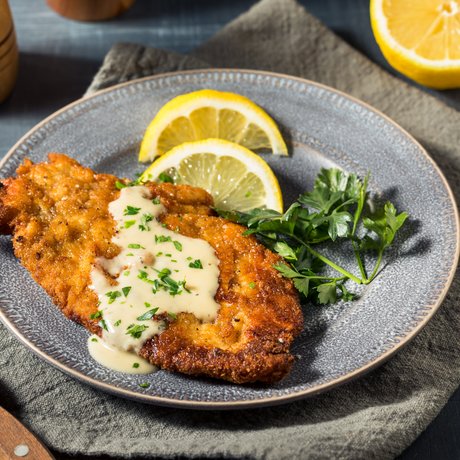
{"points": [[17, 442]]}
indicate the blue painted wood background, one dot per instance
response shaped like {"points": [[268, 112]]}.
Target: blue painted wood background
{"points": [[58, 59]]}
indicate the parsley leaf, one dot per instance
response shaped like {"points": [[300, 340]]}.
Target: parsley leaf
{"points": [[196, 264], [165, 178], [113, 295], [136, 331], [131, 211], [146, 217], [331, 211], [327, 292], [147, 315]]}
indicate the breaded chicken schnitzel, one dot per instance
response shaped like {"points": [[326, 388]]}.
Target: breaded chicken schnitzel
{"points": [[58, 214]]}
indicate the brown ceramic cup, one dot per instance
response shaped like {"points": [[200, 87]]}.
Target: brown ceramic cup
{"points": [[9, 56], [89, 10]]}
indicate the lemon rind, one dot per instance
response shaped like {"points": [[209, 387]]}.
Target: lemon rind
{"points": [[187, 103], [220, 147], [439, 74]]}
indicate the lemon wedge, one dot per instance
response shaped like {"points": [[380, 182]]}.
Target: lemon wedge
{"points": [[420, 39], [235, 177], [211, 114]]}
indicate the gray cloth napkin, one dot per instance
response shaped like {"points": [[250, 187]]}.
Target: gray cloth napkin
{"points": [[374, 417]]}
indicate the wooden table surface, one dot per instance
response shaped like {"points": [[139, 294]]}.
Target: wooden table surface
{"points": [[58, 59]]}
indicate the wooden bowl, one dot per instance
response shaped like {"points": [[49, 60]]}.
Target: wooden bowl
{"points": [[89, 10], [9, 56]]}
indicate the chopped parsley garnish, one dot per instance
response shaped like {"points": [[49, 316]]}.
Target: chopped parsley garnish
{"points": [[164, 282], [252, 285], [96, 315], [103, 324], [172, 260], [147, 315], [126, 290], [131, 211], [180, 219], [112, 295], [146, 217], [134, 246], [137, 331], [168, 255], [139, 181], [156, 201], [118, 323], [248, 195], [163, 225], [159, 254], [147, 305], [130, 254], [136, 365], [126, 273], [143, 275], [93, 340], [178, 246], [119, 185], [129, 223], [172, 315], [189, 258], [164, 272], [165, 178], [163, 239], [177, 230], [196, 264], [98, 303], [144, 385], [163, 325]]}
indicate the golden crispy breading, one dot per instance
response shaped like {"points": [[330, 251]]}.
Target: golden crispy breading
{"points": [[58, 215]]}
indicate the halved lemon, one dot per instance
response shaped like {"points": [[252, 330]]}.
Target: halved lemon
{"points": [[236, 177], [420, 38], [211, 114]]}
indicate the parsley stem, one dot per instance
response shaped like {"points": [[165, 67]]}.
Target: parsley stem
{"points": [[376, 267], [360, 264], [329, 262], [327, 278], [362, 197]]}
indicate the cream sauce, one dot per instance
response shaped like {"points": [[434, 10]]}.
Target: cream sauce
{"points": [[116, 359], [147, 248]]}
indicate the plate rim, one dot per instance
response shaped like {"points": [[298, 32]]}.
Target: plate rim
{"points": [[272, 400]]}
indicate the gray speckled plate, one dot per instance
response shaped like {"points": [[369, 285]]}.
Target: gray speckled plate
{"points": [[323, 127]]}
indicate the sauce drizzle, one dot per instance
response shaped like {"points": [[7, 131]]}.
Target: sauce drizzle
{"points": [[157, 271]]}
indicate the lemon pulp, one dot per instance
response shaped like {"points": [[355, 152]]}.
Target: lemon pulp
{"points": [[421, 39], [211, 114], [235, 177]]}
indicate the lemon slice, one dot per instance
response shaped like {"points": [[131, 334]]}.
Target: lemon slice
{"points": [[420, 38], [211, 114], [232, 174]]}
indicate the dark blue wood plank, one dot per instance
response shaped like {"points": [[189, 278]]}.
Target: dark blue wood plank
{"points": [[58, 59]]}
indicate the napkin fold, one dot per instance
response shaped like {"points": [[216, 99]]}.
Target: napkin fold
{"points": [[374, 417]]}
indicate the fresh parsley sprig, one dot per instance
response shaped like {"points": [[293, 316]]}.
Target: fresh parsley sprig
{"points": [[332, 210]]}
